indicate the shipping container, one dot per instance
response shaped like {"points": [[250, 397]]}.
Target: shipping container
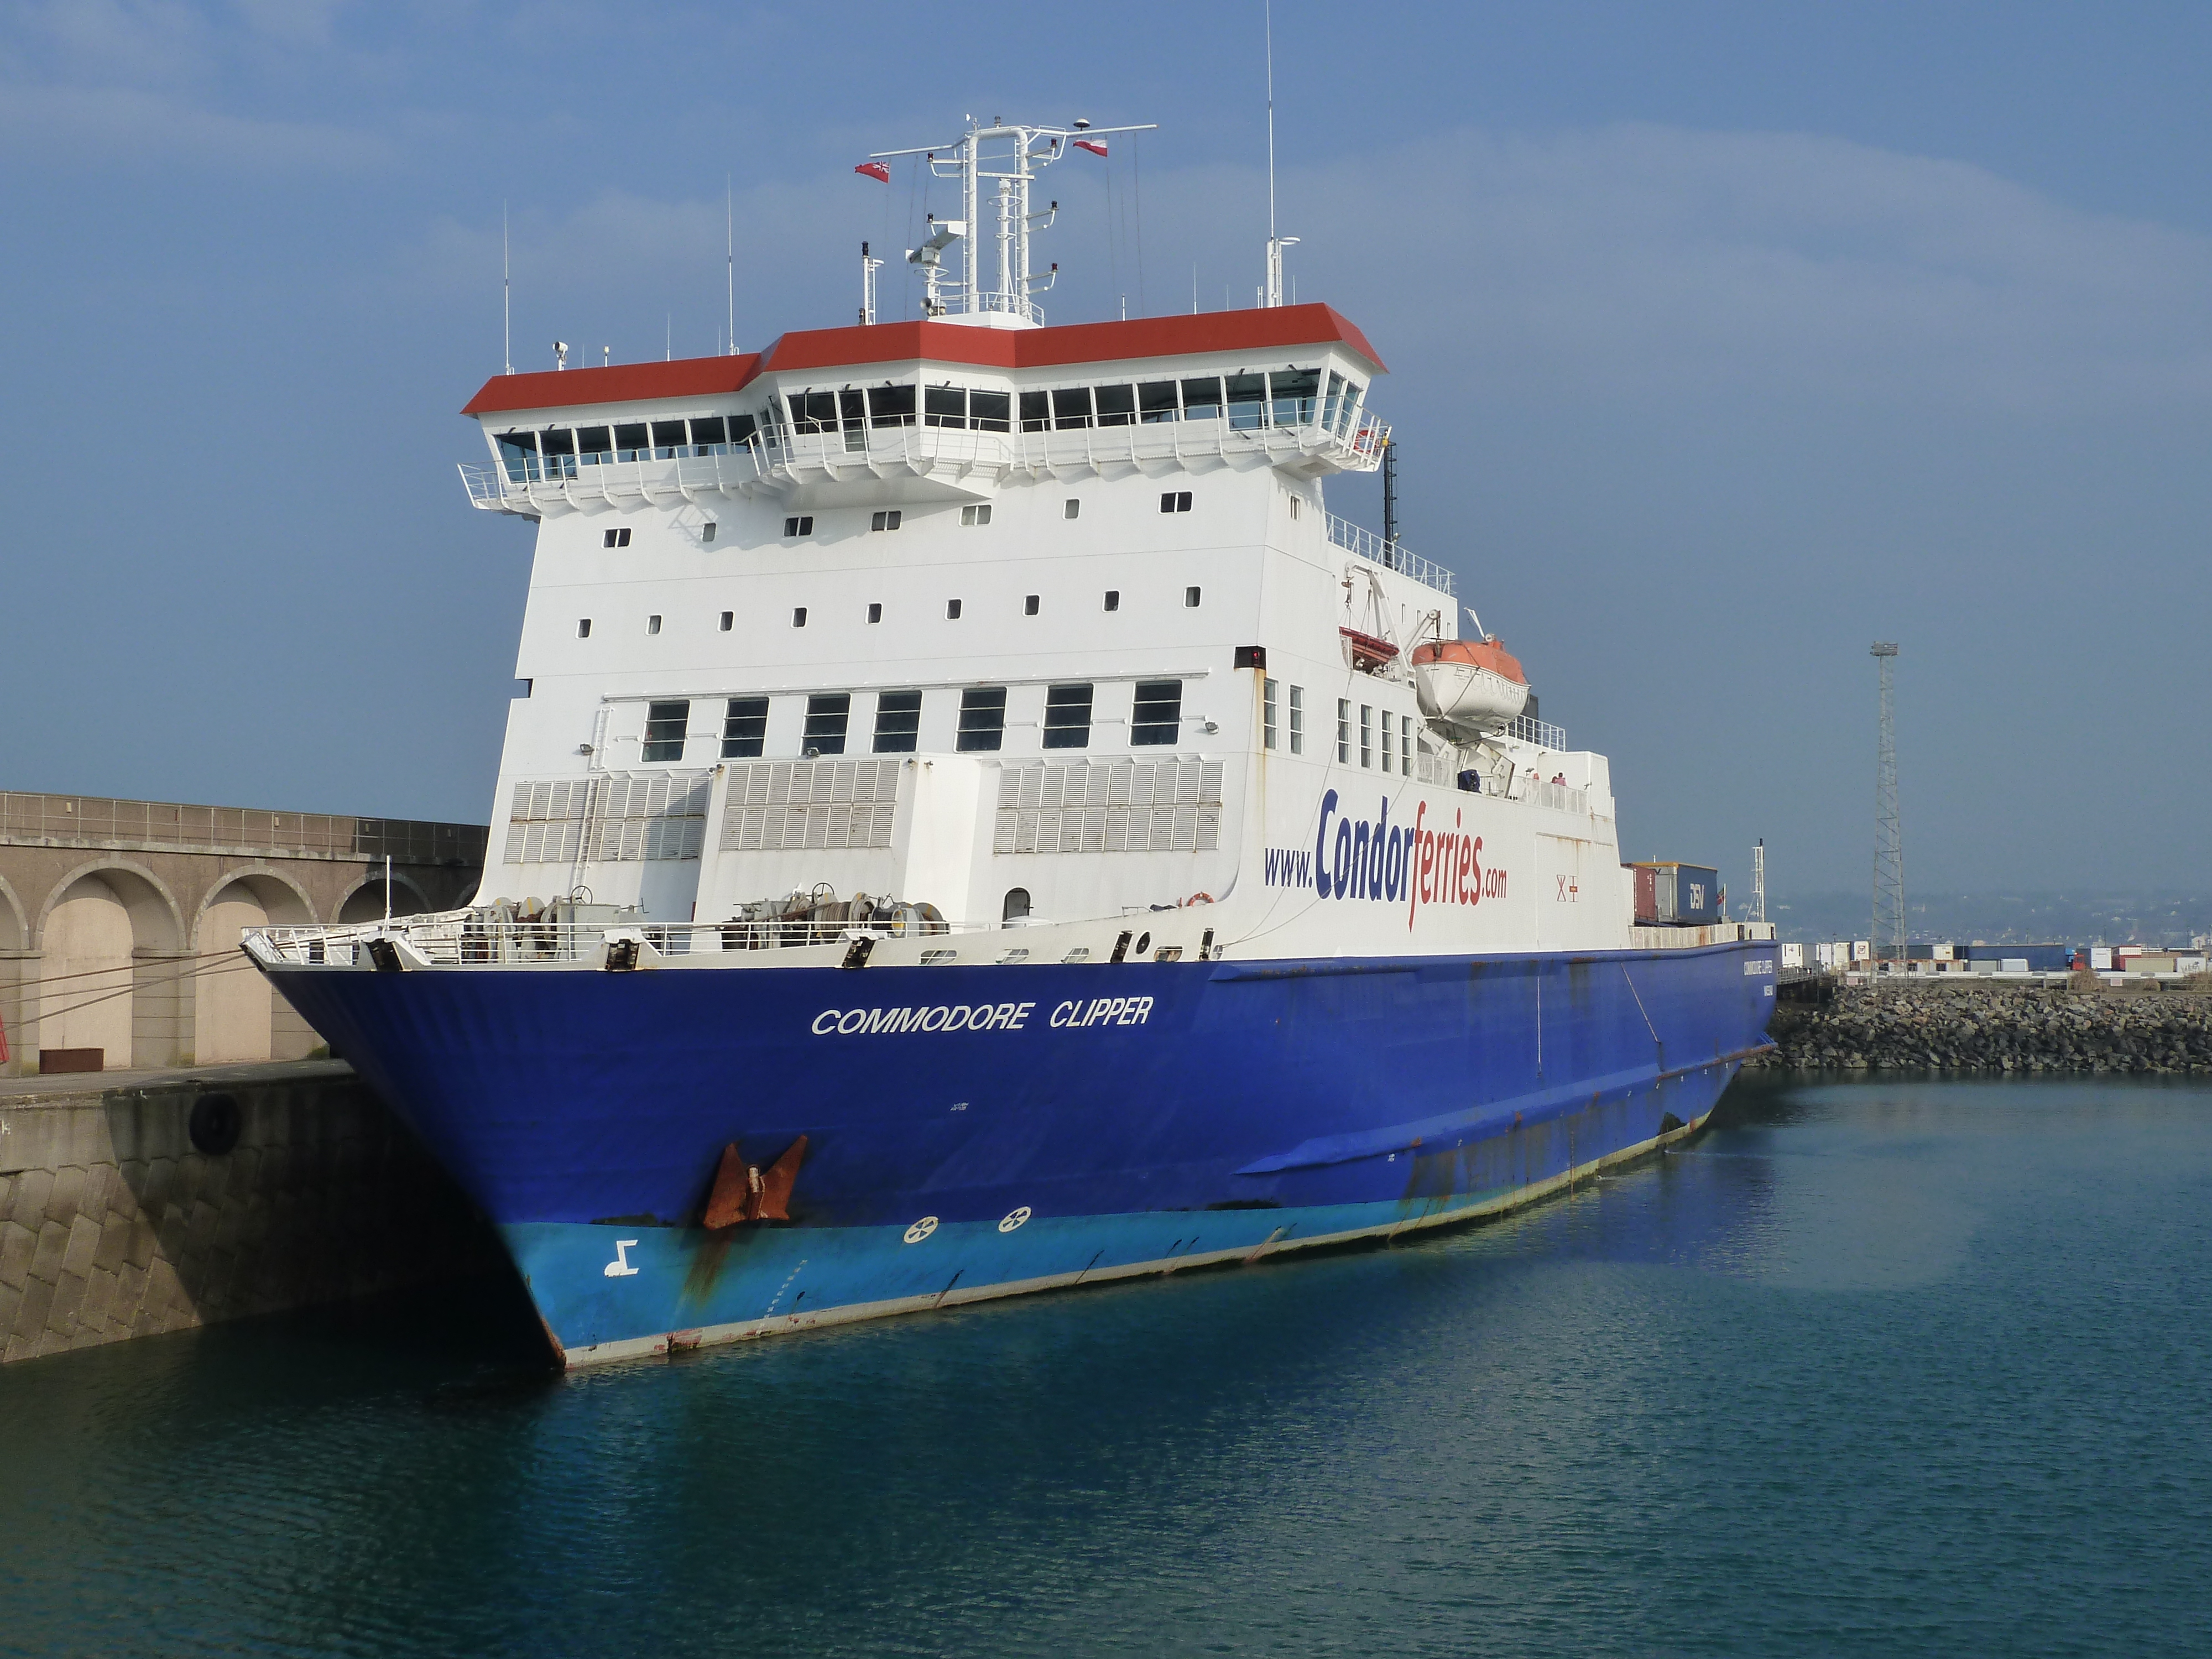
{"points": [[2040, 959], [2100, 958], [1670, 895], [1793, 956]]}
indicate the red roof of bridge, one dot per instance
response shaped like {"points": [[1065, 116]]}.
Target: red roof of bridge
{"points": [[1279, 328]]}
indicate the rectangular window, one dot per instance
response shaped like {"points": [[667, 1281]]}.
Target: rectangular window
{"points": [[1366, 735], [898, 722], [1117, 406], [826, 714], [1155, 402], [1248, 398], [744, 727], [1029, 605], [707, 530], [664, 730], [944, 405], [800, 524], [728, 618], [1343, 733], [614, 538], [1157, 716], [1268, 697], [875, 613], [669, 440], [653, 625], [1036, 410], [595, 445], [1190, 598], [890, 405], [813, 411], [798, 616], [631, 442], [742, 427], [1297, 720], [1174, 501], [1406, 746], [982, 718], [979, 513], [952, 610], [1072, 509], [1071, 407], [889, 521], [1068, 717], [710, 436], [1201, 400], [583, 627], [1294, 394], [1389, 744], [1113, 602], [990, 412]]}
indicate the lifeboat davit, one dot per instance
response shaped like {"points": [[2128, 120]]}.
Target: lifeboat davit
{"points": [[1475, 685]]}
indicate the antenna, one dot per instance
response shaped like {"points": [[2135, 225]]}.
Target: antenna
{"points": [[506, 292], [1002, 159], [1889, 836], [730, 255], [1275, 244], [868, 268]]}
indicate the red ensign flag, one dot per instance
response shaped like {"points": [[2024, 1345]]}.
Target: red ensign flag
{"points": [[875, 170], [1095, 146]]}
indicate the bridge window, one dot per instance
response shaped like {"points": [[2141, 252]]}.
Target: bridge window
{"points": [[1157, 715], [982, 718], [1201, 400], [742, 427], [898, 722], [670, 440], [558, 449], [1071, 407], [813, 411], [1297, 720], [1117, 406], [664, 729], [1349, 408], [1156, 401], [744, 727], [990, 412], [595, 444], [629, 442], [944, 405], [1248, 396], [1294, 393], [826, 714], [710, 436], [1068, 717], [890, 405], [1036, 411]]}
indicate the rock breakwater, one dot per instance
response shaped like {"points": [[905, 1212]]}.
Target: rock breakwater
{"points": [[1984, 1027]]}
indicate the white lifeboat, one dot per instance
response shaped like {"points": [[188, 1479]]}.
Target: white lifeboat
{"points": [[1475, 685]]}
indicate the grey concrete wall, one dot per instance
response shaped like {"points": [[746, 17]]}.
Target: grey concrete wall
{"points": [[113, 1224]]}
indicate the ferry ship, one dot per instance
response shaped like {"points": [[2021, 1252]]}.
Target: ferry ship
{"points": [[973, 821]]}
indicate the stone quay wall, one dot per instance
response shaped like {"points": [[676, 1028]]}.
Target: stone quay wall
{"points": [[1985, 1027], [140, 1207]]}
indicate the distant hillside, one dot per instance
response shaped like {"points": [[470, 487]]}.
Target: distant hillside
{"points": [[2004, 918]]}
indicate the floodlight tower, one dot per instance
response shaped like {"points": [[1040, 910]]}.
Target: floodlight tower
{"points": [[1758, 880], [1888, 839]]}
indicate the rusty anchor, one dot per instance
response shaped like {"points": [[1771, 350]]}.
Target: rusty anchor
{"points": [[744, 1192]]}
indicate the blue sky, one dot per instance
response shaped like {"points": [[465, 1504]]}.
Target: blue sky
{"points": [[1727, 339]]}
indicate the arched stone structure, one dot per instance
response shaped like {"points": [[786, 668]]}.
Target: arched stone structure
{"points": [[110, 941], [365, 902], [235, 1014], [14, 957]]}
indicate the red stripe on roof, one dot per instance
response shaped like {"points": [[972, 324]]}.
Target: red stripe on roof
{"points": [[1261, 330]]}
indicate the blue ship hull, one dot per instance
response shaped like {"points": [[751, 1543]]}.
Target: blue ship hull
{"points": [[977, 1132]]}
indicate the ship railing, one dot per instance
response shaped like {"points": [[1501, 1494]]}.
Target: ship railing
{"points": [[460, 938], [1363, 543], [1541, 734]]}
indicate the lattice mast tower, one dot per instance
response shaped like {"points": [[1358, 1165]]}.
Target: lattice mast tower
{"points": [[1888, 838]]}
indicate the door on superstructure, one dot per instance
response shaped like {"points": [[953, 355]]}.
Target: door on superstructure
{"points": [[1564, 904]]}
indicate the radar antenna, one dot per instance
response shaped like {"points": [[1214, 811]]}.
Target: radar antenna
{"points": [[1001, 160]]}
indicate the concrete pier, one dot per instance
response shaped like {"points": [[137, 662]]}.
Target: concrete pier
{"points": [[134, 1203]]}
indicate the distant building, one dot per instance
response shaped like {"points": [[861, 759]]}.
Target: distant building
{"points": [[119, 920]]}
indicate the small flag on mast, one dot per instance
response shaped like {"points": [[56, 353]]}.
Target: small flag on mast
{"points": [[1095, 146], [875, 170]]}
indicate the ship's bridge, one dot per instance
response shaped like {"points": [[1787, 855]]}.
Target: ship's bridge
{"points": [[930, 411]]}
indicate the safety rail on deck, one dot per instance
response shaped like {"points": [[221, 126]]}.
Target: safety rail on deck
{"points": [[1362, 542], [458, 939], [774, 459], [1542, 734]]}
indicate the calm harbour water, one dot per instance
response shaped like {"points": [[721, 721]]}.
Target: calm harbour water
{"points": [[1875, 1368]]}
